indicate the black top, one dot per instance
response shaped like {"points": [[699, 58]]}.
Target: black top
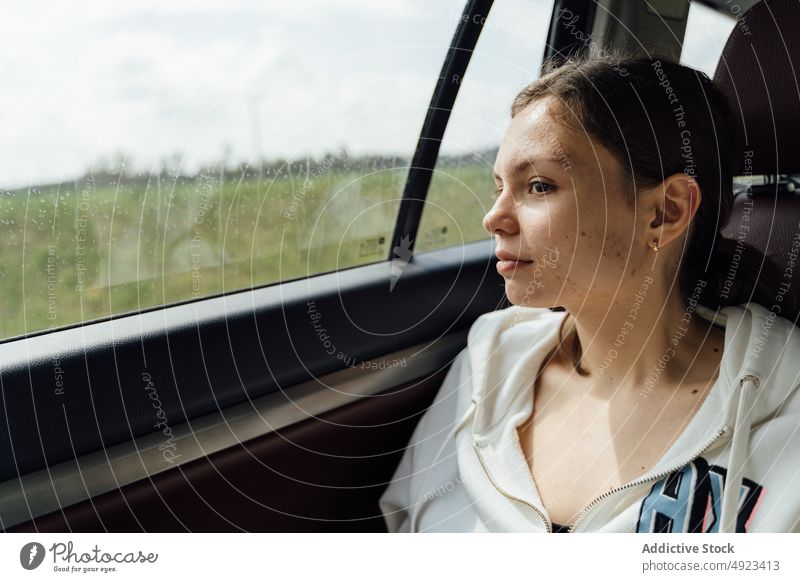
{"points": [[558, 528]]}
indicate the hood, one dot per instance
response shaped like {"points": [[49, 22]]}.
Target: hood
{"points": [[506, 351], [506, 348]]}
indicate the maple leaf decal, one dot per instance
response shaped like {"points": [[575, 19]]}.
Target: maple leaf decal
{"points": [[402, 254]]}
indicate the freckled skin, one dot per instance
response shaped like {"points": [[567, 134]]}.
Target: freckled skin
{"points": [[579, 212], [585, 214]]}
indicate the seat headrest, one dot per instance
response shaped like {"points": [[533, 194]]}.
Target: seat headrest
{"points": [[759, 70]]}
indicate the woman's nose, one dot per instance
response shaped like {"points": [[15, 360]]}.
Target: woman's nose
{"points": [[501, 217]]}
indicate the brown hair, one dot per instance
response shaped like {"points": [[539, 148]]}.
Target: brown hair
{"points": [[658, 118]]}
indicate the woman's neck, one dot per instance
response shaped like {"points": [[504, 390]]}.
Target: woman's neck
{"points": [[646, 343]]}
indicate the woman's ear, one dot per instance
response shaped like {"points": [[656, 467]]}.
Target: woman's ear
{"points": [[671, 207]]}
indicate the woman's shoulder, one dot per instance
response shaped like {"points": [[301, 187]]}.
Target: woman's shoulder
{"points": [[762, 343], [766, 327], [773, 312]]}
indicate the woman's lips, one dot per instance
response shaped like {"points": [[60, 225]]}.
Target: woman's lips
{"points": [[509, 266]]}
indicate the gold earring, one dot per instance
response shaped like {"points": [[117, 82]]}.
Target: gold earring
{"points": [[654, 245]]}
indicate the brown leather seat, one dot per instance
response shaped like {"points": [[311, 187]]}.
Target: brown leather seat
{"points": [[760, 71]]}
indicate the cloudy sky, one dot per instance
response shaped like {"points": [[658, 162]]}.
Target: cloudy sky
{"points": [[89, 79]]}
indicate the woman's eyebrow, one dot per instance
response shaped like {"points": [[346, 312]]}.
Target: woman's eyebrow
{"points": [[523, 166]]}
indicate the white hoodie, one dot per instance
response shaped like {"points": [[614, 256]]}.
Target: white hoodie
{"points": [[464, 470]]}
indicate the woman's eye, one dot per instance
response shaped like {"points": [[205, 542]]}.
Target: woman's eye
{"points": [[536, 187], [539, 187]]}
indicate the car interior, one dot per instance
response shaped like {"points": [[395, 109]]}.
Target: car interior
{"points": [[290, 404]]}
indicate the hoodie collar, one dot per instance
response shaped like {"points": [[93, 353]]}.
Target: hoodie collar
{"points": [[504, 386]]}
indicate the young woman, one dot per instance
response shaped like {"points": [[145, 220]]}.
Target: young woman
{"points": [[661, 393]]}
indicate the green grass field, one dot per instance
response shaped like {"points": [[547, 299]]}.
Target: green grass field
{"points": [[81, 251]]}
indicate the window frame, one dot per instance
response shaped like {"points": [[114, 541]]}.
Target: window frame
{"points": [[206, 354], [470, 26]]}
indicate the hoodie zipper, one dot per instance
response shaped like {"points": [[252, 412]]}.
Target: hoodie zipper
{"points": [[598, 499], [507, 494], [643, 480]]}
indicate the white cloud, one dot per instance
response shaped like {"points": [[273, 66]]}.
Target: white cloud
{"points": [[83, 80]]}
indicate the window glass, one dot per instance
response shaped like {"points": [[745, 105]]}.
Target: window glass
{"points": [[707, 31], [507, 57], [159, 152]]}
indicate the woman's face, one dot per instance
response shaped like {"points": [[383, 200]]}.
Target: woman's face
{"points": [[561, 208]]}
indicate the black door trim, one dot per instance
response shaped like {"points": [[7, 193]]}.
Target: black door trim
{"points": [[84, 389], [570, 26], [430, 140]]}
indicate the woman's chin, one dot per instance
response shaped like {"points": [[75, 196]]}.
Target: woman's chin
{"points": [[525, 296]]}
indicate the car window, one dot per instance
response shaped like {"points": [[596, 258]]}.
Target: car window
{"points": [[707, 31], [507, 57], [165, 152]]}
